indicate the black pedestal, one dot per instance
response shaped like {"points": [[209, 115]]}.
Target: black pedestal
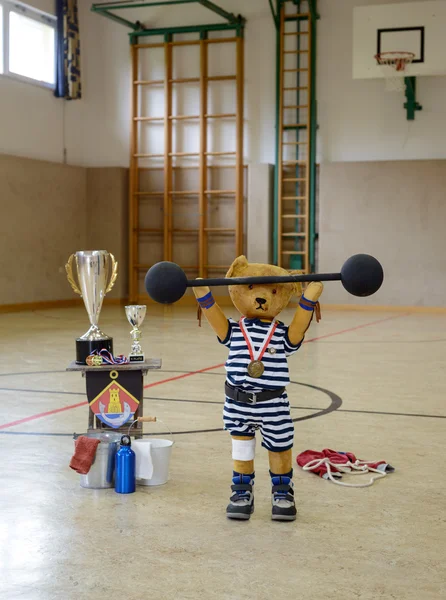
{"points": [[127, 379], [85, 347]]}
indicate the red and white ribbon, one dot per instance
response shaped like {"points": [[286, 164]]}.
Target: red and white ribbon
{"points": [[257, 354]]}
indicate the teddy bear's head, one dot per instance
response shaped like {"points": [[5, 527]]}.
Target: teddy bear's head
{"points": [[264, 301]]}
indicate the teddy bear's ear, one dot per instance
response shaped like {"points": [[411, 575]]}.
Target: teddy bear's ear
{"points": [[237, 267], [297, 284]]}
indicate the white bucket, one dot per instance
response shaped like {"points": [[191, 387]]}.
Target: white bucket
{"points": [[152, 461]]}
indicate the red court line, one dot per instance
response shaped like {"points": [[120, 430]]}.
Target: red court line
{"points": [[40, 415], [183, 375], [321, 337]]}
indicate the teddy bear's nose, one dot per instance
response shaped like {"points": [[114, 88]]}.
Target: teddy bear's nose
{"points": [[260, 301]]}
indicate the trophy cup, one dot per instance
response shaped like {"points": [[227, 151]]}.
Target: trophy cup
{"points": [[93, 268], [135, 315]]}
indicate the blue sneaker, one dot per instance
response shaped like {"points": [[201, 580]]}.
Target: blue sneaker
{"points": [[241, 503], [282, 498]]}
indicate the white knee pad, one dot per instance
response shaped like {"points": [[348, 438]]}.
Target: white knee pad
{"points": [[243, 449]]}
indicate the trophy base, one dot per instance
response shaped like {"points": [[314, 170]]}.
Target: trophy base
{"points": [[136, 358], [85, 347]]}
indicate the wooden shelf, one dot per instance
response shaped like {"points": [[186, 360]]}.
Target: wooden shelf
{"points": [[148, 118], [222, 78], [220, 153], [175, 154], [183, 193], [297, 16], [218, 192], [149, 193], [186, 167], [148, 155], [149, 82], [221, 116], [186, 79], [293, 216]]}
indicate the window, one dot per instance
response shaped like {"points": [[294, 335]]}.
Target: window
{"points": [[27, 44]]}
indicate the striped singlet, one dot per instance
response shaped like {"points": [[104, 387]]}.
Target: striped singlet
{"points": [[271, 417]]}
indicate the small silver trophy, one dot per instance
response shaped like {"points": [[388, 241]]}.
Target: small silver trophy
{"points": [[93, 269], [135, 314]]}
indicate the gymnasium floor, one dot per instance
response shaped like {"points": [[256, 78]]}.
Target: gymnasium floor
{"points": [[368, 382]]}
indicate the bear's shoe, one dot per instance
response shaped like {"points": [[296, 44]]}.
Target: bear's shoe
{"points": [[282, 498], [241, 503]]}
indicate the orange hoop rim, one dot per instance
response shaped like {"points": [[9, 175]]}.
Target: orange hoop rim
{"points": [[396, 59]]}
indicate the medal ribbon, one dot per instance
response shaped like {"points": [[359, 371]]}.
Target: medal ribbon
{"points": [[108, 358], [257, 355]]}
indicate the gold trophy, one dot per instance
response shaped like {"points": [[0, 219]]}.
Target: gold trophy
{"points": [[135, 315]]}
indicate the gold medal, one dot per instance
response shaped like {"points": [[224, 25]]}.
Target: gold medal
{"points": [[94, 360], [255, 369]]}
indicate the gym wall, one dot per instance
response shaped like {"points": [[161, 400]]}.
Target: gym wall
{"points": [[49, 211]]}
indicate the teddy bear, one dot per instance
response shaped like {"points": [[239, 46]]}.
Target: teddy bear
{"points": [[256, 378]]}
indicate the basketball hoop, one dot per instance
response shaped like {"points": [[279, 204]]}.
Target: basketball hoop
{"points": [[393, 67]]}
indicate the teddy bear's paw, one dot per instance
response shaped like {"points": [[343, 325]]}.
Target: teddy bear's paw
{"points": [[314, 290]]}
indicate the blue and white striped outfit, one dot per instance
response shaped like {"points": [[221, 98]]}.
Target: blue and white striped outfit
{"points": [[271, 417]]}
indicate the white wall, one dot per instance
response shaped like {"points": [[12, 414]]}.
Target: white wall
{"points": [[358, 119], [394, 211], [47, 6]]}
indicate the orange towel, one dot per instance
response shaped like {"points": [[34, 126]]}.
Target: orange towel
{"points": [[84, 453]]}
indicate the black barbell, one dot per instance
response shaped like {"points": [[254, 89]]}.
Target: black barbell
{"points": [[361, 275]]}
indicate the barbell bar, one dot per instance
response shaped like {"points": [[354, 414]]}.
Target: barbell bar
{"points": [[361, 275]]}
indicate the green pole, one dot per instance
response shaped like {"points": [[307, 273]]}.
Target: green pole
{"points": [[113, 6], [296, 260], [188, 29], [276, 170], [219, 11], [411, 96], [115, 18], [312, 137]]}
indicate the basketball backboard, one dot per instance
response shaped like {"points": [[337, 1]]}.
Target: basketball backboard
{"points": [[417, 27]]}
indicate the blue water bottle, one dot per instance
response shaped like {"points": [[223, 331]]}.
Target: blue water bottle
{"points": [[125, 481]]}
